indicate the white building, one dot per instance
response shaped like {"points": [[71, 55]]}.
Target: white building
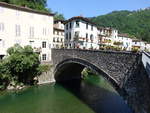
{"points": [[126, 41], [58, 36], [107, 36], [139, 45], [24, 26], [81, 33], [147, 47]]}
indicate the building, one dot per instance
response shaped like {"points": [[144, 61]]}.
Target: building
{"points": [[139, 45], [25, 26], [58, 35], [126, 42], [81, 33], [107, 36]]}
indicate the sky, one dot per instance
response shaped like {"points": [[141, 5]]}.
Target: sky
{"points": [[91, 8]]}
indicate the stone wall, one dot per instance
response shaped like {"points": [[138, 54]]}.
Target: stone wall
{"points": [[47, 77], [137, 87]]}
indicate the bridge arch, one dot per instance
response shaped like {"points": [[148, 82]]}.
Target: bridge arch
{"points": [[71, 69]]}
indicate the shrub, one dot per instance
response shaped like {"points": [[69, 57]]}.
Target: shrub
{"points": [[21, 65]]}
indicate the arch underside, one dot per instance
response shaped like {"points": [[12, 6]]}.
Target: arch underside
{"points": [[71, 69]]}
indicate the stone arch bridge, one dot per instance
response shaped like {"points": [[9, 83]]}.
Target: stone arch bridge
{"points": [[124, 70]]}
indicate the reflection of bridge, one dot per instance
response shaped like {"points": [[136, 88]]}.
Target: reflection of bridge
{"points": [[124, 70]]}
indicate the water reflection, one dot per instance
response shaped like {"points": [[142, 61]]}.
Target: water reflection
{"points": [[100, 99]]}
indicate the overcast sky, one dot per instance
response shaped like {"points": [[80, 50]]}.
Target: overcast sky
{"points": [[90, 8]]}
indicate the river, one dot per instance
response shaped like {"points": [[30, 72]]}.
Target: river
{"points": [[91, 95]]}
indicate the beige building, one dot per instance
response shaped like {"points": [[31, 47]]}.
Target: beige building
{"points": [[58, 35], [24, 26]]}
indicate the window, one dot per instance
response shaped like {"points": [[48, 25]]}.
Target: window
{"points": [[92, 27], [18, 30], [67, 26], [44, 57], [61, 40], [44, 44], [91, 37], [70, 36], [70, 25], [87, 25], [31, 32], [66, 36], [77, 34], [86, 35], [77, 24], [53, 39], [1, 26], [58, 39]]}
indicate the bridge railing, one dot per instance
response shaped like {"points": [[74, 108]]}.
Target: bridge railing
{"points": [[146, 61]]}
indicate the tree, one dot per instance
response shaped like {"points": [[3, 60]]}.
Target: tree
{"points": [[22, 65], [59, 16], [33, 4]]}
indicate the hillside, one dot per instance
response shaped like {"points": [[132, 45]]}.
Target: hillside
{"points": [[135, 23]]}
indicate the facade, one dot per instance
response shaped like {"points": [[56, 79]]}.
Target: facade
{"points": [[81, 33], [147, 47], [125, 41], [139, 45], [58, 35], [24, 26], [107, 36]]}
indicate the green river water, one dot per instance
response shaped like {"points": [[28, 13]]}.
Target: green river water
{"points": [[91, 95]]}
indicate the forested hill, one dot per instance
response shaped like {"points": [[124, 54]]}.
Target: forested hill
{"points": [[135, 23], [40, 5]]}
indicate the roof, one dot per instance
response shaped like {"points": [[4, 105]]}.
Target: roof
{"points": [[26, 9], [80, 18], [88, 21]]}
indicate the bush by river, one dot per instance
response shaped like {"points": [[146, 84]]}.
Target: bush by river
{"points": [[20, 68]]}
